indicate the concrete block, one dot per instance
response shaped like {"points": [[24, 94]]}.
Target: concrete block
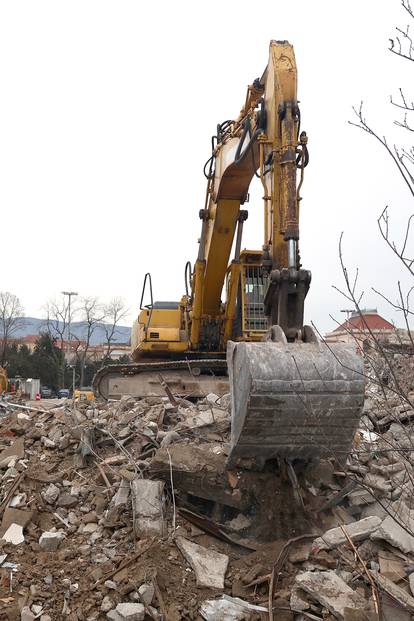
{"points": [[357, 531], [209, 566], [395, 534], [327, 588], [228, 609], [130, 611], [146, 594], [397, 593], [14, 534], [50, 494], [26, 614], [148, 507], [50, 541]]}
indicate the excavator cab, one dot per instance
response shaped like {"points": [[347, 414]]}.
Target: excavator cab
{"points": [[250, 322]]}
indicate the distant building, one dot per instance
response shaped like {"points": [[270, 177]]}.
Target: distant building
{"points": [[97, 352], [29, 340], [361, 326]]}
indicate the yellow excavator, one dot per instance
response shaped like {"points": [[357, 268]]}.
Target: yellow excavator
{"points": [[292, 396]]}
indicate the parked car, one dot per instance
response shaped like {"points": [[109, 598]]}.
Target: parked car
{"points": [[63, 393], [46, 392]]}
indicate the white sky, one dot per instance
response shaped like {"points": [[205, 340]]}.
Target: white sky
{"points": [[106, 114]]}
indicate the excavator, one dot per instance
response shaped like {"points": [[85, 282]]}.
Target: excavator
{"points": [[293, 397]]}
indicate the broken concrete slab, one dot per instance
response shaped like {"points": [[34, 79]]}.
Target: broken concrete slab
{"points": [[146, 594], [130, 611], [377, 482], [148, 507], [50, 494], [26, 614], [391, 531], [357, 531], [50, 541], [376, 508], [397, 593], [298, 601], [327, 588], [209, 566], [199, 471], [228, 609], [14, 534], [360, 497], [122, 495], [67, 501]]}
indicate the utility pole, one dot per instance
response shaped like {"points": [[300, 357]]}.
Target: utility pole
{"points": [[69, 294]]}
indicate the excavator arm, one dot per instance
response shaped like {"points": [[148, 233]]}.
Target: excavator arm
{"points": [[265, 138]]}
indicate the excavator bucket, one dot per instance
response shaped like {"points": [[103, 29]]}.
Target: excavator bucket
{"points": [[295, 401]]}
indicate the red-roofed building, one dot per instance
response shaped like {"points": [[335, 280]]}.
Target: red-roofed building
{"points": [[361, 326]]}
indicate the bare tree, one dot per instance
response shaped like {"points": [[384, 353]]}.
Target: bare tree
{"points": [[114, 312], [91, 316], [402, 156], [11, 319], [56, 324], [389, 366]]}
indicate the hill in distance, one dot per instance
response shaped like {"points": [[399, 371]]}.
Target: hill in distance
{"points": [[32, 325]]}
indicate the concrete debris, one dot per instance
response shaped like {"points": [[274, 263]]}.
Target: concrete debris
{"points": [[50, 541], [131, 611], [396, 592], [107, 604], [357, 531], [122, 495], [50, 494], [148, 507], [228, 609], [126, 510], [27, 614], [397, 527], [146, 593], [209, 566], [298, 600], [327, 588], [14, 534]]}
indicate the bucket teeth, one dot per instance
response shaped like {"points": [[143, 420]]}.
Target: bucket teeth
{"points": [[293, 400]]}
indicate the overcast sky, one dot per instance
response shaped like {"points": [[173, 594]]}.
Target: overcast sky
{"points": [[106, 115]]}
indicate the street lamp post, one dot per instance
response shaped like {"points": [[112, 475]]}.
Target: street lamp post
{"points": [[69, 294]]}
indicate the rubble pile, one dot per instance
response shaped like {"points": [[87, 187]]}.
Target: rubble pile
{"points": [[125, 510]]}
